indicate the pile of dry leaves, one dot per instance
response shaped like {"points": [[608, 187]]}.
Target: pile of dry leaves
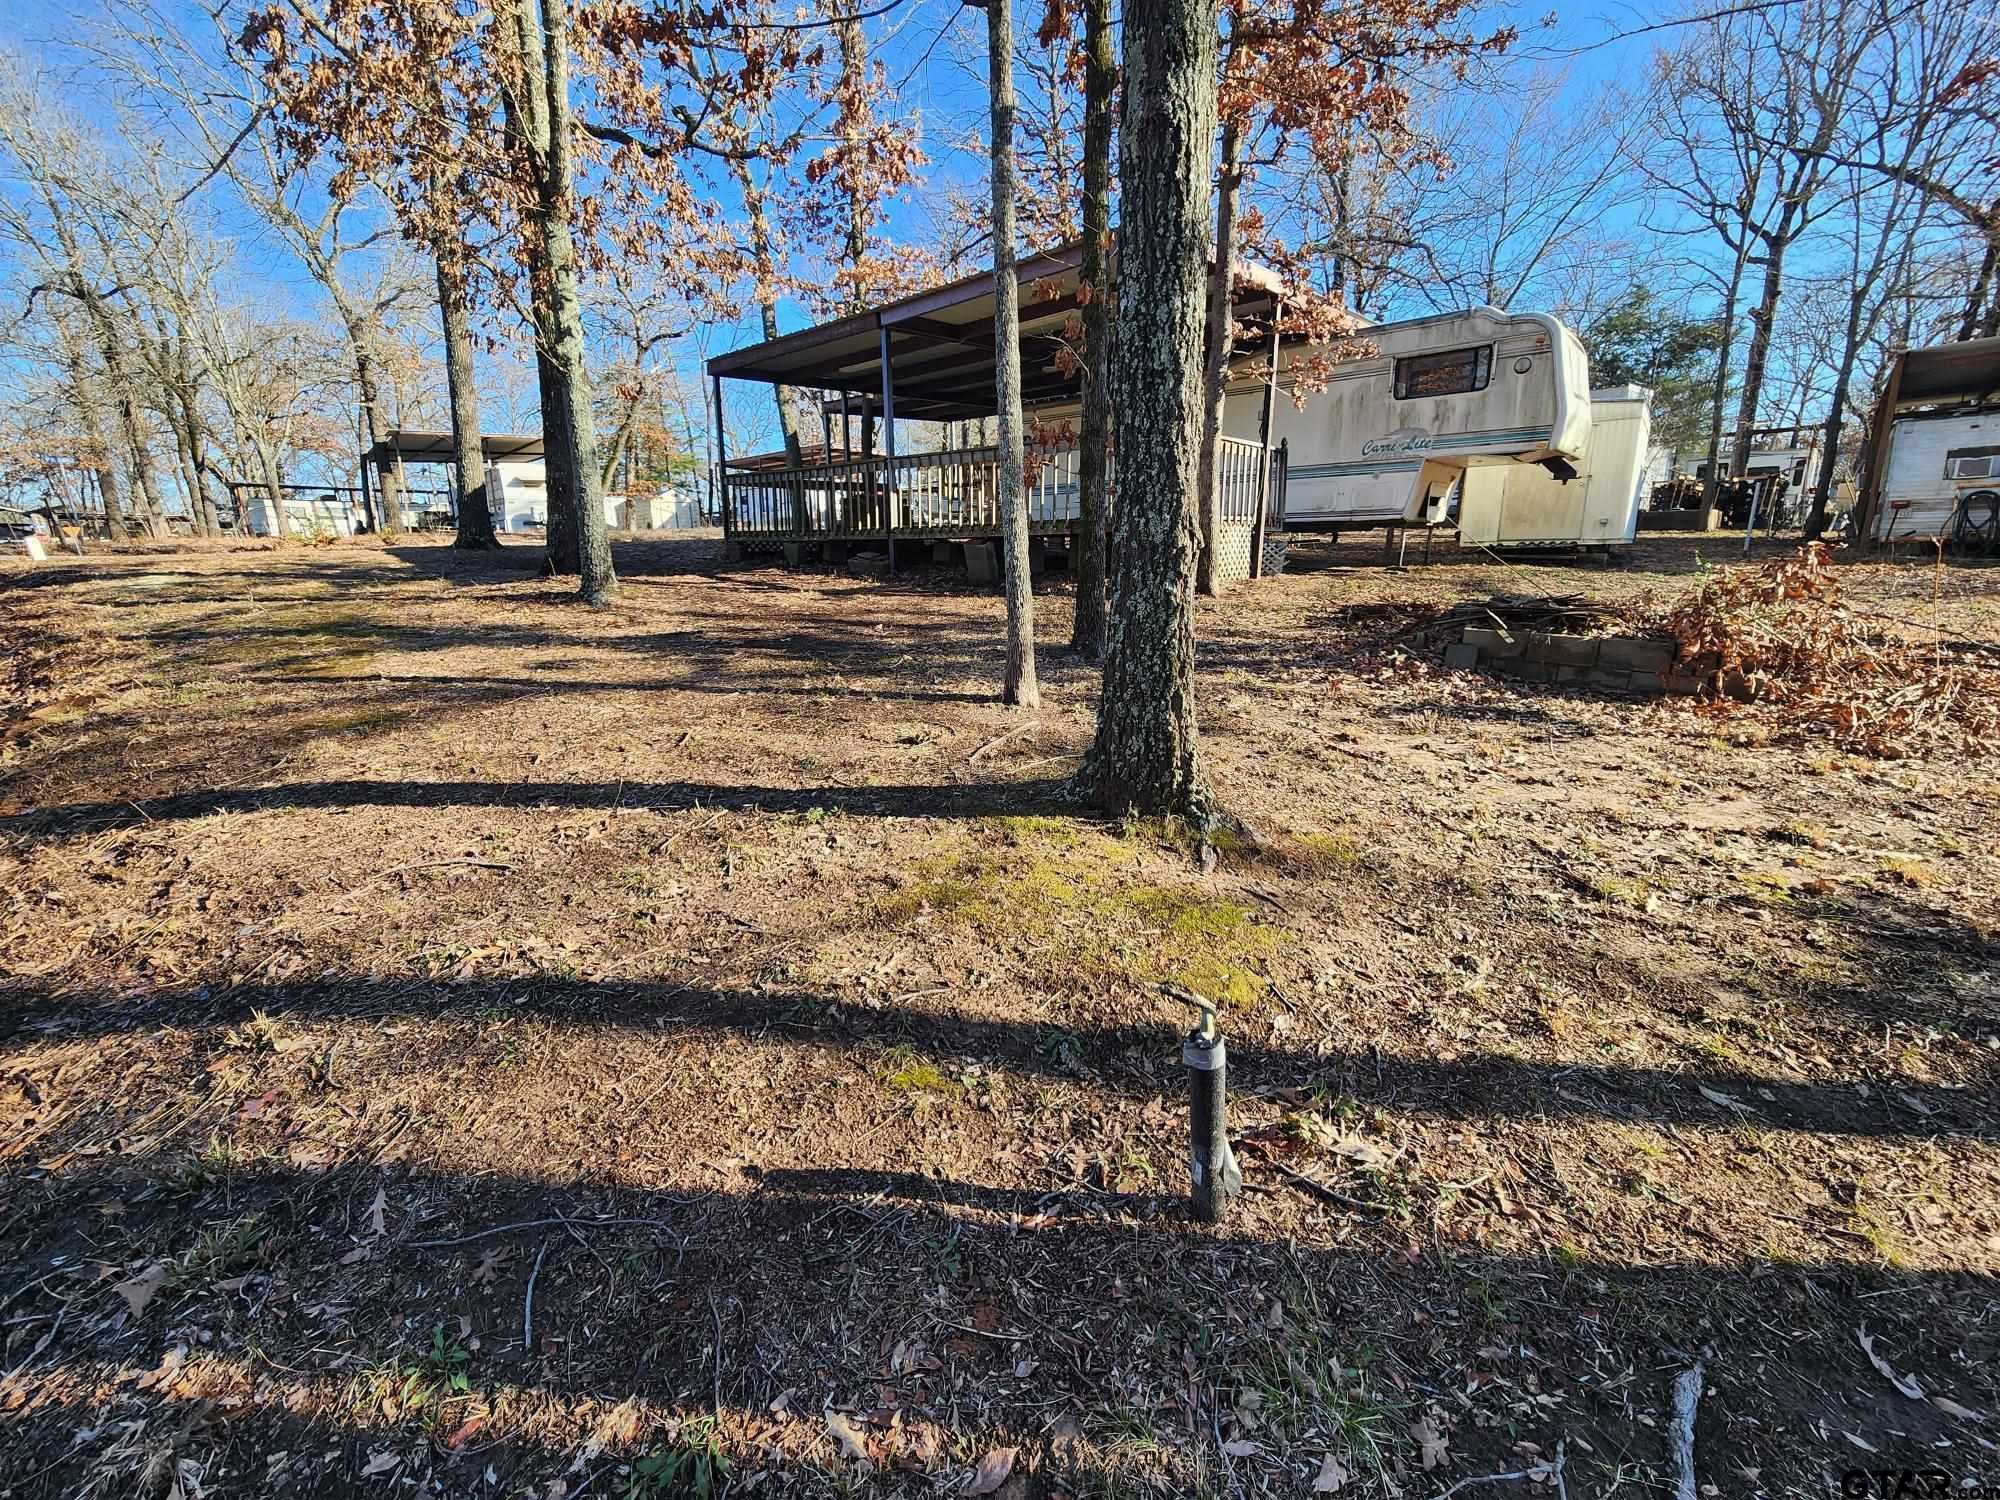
{"points": [[1779, 637]]}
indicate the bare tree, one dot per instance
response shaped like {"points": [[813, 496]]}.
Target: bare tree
{"points": [[1094, 280], [1019, 686]]}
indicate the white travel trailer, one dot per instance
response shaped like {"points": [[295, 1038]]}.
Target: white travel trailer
{"points": [[1524, 505], [1393, 437], [1935, 469]]}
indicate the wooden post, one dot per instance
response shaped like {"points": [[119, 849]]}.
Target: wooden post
{"points": [[888, 450]]}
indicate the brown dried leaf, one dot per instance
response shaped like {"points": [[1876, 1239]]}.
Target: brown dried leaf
{"points": [[1333, 1476], [138, 1290], [1431, 1441], [161, 1377], [488, 1267], [992, 1472], [852, 1444]]}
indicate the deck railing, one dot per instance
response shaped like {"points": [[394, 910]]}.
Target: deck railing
{"points": [[954, 492]]}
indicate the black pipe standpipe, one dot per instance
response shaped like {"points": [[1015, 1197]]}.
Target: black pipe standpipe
{"points": [[1213, 1176]]}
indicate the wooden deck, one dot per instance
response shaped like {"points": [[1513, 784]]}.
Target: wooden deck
{"points": [[953, 495]]}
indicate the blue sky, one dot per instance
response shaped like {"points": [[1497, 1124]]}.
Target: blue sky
{"points": [[948, 96]]}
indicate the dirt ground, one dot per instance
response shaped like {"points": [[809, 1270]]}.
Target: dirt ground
{"points": [[453, 1042]]}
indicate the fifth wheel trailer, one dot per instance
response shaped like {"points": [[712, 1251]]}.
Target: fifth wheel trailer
{"points": [[1523, 505], [1393, 437]]}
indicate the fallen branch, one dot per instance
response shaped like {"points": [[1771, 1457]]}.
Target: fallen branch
{"points": [[1319, 1189], [528, 1304], [1687, 1396], [1000, 739], [482, 1234]]}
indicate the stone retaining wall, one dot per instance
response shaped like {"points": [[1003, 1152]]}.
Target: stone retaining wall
{"points": [[1618, 663]]}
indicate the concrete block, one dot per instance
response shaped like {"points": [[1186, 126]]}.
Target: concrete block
{"points": [[1649, 682], [1573, 675], [1563, 650], [982, 562], [732, 551], [868, 565], [1491, 644], [1529, 671], [1463, 657], [837, 553], [1611, 679], [797, 553], [1635, 654]]}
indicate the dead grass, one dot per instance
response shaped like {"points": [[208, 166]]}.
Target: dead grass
{"points": [[605, 1048]]}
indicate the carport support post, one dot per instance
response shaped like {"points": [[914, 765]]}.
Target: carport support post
{"points": [[888, 451], [722, 467], [843, 504], [1264, 417]]}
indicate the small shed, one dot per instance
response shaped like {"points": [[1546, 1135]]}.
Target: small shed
{"points": [[1933, 465]]}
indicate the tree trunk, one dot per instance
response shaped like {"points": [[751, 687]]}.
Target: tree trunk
{"points": [[274, 486], [1982, 286], [558, 481], [1215, 372], [197, 438], [1100, 78], [556, 209], [767, 301], [388, 492], [1146, 756], [190, 477], [475, 513], [526, 111], [1762, 320], [1019, 686], [854, 78], [1719, 396], [90, 412], [145, 489], [131, 421]]}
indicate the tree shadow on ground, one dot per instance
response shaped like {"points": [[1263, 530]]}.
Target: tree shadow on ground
{"points": [[1130, 1059], [999, 1313]]}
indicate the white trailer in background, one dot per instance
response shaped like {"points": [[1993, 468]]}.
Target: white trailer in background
{"points": [[1523, 505], [1935, 464], [1393, 437], [517, 493]]}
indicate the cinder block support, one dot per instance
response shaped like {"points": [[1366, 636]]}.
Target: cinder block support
{"points": [[982, 562], [1635, 654], [1464, 657], [868, 565]]}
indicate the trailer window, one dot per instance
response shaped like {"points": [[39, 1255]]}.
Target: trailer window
{"points": [[1972, 463], [1451, 373]]}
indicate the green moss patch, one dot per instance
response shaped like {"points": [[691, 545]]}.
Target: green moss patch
{"points": [[1069, 889]]}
